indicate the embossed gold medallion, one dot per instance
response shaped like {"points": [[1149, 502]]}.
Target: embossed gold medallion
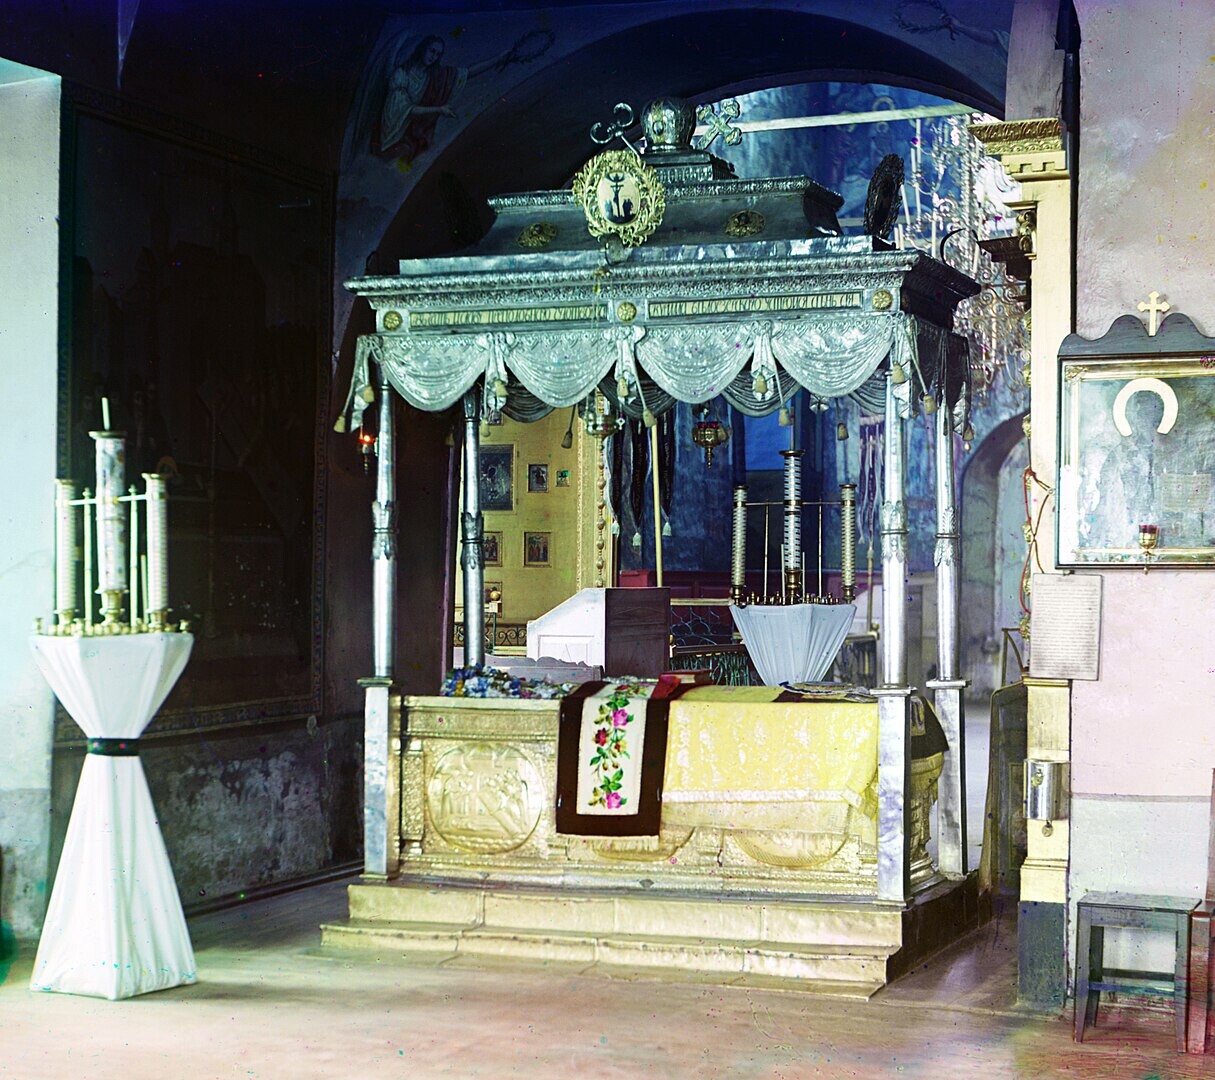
{"points": [[621, 196], [393, 320], [537, 235], [745, 223], [882, 299]]}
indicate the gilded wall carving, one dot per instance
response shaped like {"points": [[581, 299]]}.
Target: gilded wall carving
{"points": [[485, 799]]}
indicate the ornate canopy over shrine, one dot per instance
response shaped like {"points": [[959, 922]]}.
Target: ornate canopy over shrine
{"points": [[709, 286], [661, 278]]}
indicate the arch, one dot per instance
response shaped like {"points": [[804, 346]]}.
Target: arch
{"points": [[536, 132], [980, 520]]}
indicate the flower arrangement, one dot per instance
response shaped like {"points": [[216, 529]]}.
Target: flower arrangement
{"points": [[612, 746], [482, 681]]}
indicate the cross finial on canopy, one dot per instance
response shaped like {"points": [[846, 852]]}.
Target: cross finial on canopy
{"points": [[719, 124], [1154, 307]]}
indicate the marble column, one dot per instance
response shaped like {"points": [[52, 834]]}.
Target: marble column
{"points": [[894, 696], [948, 687], [380, 792]]}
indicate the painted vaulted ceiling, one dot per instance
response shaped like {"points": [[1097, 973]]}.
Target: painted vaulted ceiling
{"points": [[504, 90], [284, 75]]}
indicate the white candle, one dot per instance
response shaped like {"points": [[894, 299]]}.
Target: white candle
{"points": [[87, 548], [134, 553], [111, 514], [764, 598], [67, 541], [158, 548]]}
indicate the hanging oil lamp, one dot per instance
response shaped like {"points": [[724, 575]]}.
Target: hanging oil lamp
{"points": [[709, 434]]}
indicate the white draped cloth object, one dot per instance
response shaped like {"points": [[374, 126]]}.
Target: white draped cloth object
{"points": [[794, 642], [114, 927]]}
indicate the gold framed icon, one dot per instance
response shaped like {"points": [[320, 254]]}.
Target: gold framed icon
{"points": [[621, 196]]}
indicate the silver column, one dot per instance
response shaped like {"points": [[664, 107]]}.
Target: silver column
{"points": [[381, 794], [67, 543], [948, 688], [384, 538], [157, 600], [894, 544], [738, 548], [945, 556], [470, 524]]}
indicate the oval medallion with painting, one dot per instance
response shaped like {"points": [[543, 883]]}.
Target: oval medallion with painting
{"points": [[621, 196]]}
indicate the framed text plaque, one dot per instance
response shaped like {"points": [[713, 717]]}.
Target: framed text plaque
{"points": [[1136, 481], [1065, 626]]}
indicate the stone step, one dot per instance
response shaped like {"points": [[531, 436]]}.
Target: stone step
{"points": [[766, 919], [825, 945], [378, 935], [854, 971]]}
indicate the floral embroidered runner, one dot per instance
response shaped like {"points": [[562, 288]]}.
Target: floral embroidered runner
{"points": [[614, 738], [611, 754]]}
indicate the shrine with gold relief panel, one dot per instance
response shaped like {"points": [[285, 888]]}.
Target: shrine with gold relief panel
{"points": [[663, 279]]}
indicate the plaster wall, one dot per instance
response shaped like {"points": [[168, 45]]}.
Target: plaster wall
{"points": [[529, 591], [1147, 166], [992, 542], [243, 808], [29, 312], [700, 523], [1143, 732]]}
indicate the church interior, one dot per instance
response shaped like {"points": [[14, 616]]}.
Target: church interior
{"points": [[532, 499]]}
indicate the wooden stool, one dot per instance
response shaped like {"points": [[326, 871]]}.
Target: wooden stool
{"points": [[1202, 957], [1094, 912], [1202, 962]]}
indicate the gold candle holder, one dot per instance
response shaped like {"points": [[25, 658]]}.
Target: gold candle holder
{"points": [[1149, 537]]}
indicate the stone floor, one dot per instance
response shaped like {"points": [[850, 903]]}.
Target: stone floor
{"points": [[269, 1005]]}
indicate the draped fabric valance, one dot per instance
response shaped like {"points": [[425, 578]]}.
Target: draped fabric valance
{"points": [[831, 355]]}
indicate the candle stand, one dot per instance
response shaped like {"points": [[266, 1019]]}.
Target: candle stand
{"points": [[114, 926]]}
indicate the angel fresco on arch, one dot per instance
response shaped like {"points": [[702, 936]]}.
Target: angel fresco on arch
{"points": [[415, 90]]}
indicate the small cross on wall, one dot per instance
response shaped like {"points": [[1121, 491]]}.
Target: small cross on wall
{"points": [[1154, 307]]}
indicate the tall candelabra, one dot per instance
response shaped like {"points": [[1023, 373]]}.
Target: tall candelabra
{"points": [[738, 547], [793, 522], [99, 559], [956, 192], [848, 542], [794, 589]]}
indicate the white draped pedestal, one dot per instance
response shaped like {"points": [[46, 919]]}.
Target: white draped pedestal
{"points": [[793, 642], [114, 927]]}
